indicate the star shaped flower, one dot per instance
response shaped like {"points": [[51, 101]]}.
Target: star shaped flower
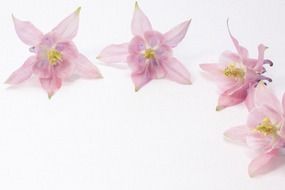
{"points": [[149, 53], [55, 58]]}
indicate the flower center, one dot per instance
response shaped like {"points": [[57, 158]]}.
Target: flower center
{"points": [[266, 127], [54, 56], [234, 72], [149, 54]]}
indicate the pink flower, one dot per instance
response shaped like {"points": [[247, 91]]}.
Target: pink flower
{"points": [[56, 56], [149, 53], [264, 131], [237, 74]]}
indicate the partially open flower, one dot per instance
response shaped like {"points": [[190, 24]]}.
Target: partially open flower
{"points": [[264, 131], [237, 74]]}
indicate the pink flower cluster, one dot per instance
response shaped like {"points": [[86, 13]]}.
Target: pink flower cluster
{"points": [[149, 55], [241, 79]]}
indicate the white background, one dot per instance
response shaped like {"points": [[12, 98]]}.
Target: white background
{"points": [[102, 135]]}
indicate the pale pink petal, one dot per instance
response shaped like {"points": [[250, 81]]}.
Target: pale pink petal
{"points": [[214, 69], [241, 50], [140, 22], [250, 63], [233, 96], [261, 164], [259, 142], [137, 62], [156, 70], [261, 50], [256, 64], [114, 53], [252, 76], [264, 95], [175, 71], [282, 130], [137, 45], [42, 69], [176, 35], [140, 79], [64, 69], [27, 32], [84, 68], [260, 61], [68, 49], [67, 29], [149, 69], [249, 101], [237, 134], [23, 73], [255, 117], [163, 52], [153, 38], [228, 57], [215, 72], [51, 85]]}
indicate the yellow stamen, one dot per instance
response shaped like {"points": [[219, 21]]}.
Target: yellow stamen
{"points": [[149, 54], [233, 71], [54, 56], [266, 127]]}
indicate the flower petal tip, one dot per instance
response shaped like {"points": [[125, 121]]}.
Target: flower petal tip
{"points": [[251, 174], [14, 18], [219, 108], [78, 10], [137, 5], [7, 81], [100, 76], [227, 137], [189, 82], [50, 96]]}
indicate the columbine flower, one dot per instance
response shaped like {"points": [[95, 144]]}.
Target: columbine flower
{"points": [[264, 131], [56, 56], [236, 74], [149, 53]]}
